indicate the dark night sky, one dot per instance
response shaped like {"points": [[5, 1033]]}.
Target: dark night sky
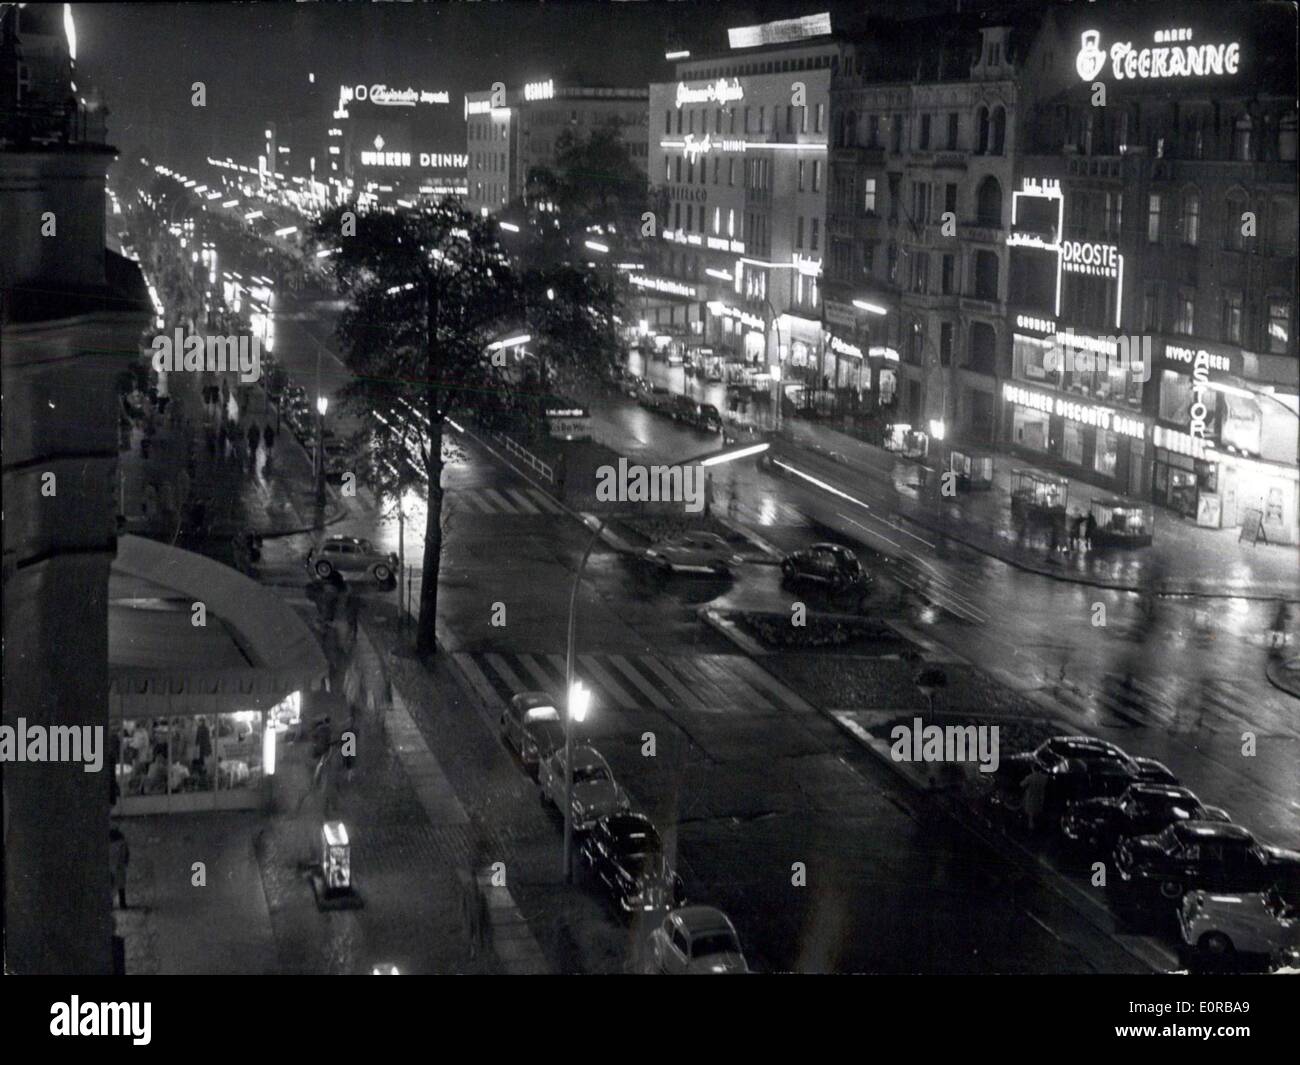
{"points": [[254, 58]]}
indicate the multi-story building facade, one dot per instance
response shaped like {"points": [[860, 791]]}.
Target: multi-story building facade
{"points": [[1157, 208], [738, 152], [509, 132], [922, 149], [71, 317]]}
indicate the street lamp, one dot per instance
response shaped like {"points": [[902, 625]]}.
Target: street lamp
{"points": [[322, 405], [576, 712]]}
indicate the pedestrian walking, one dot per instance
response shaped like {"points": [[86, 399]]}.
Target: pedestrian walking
{"points": [[254, 437], [1089, 527], [119, 855], [268, 438], [354, 614], [1034, 787]]}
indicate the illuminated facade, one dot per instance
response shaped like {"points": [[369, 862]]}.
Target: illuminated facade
{"points": [[1174, 219], [511, 131], [738, 152], [922, 148]]}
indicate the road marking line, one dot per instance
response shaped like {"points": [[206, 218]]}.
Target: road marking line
{"points": [[506, 506], [503, 670], [730, 682], [608, 683], [486, 692], [660, 670], [645, 687], [535, 670], [759, 676], [471, 499], [544, 501], [521, 500]]}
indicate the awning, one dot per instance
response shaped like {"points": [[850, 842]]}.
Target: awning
{"points": [[251, 651]]}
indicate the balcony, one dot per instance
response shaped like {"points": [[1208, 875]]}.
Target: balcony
{"points": [[980, 304]]}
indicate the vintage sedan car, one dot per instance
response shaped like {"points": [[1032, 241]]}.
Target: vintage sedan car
{"points": [[1077, 768], [351, 556], [655, 397], [1218, 927], [693, 552], [1143, 809], [595, 792], [625, 853], [532, 725], [828, 565], [695, 939], [1156, 871]]}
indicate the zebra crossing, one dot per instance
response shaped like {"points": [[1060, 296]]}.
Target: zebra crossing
{"points": [[525, 500], [706, 684], [767, 512], [1176, 702]]}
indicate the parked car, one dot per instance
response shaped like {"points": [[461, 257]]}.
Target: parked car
{"points": [[829, 565], [595, 792], [1220, 928], [1142, 809], [1198, 855], [1078, 768], [692, 552], [625, 853], [708, 418], [351, 556], [683, 409], [531, 724], [654, 397], [338, 459], [696, 939]]}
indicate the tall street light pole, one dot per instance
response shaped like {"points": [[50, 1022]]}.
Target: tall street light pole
{"points": [[322, 405], [578, 700]]}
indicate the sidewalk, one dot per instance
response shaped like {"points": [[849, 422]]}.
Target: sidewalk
{"points": [[187, 464], [1182, 559], [257, 912]]}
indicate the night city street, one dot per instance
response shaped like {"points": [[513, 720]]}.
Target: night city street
{"points": [[645, 488]]}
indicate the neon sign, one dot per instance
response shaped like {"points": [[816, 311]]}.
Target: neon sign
{"points": [[540, 90], [386, 97], [1083, 413], [1172, 58], [720, 92], [845, 348], [663, 284], [1086, 257]]}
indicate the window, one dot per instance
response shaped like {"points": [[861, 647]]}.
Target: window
{"points": [[690, 122], [821, 113], [1279, 326], [999, 134], [717, 220], [945, 343], [925, 133], [690, 216], [952, 130], [717, 163], [869, 196], [947, 278], [1153, 218], [731, 172], [1191, 217], [982, 145], [920, 202], [816, 227], [986, 275], [801, 182], [817, 175], [868, 259], [921, 272], [1151, 309], [895, 180], [798, 232], [717, 120], [677, 215], [1231, 324], [896, 135], [950, 198], [762, 118], [747, 129], [988, 206], [873, 132], [679, 169], [1107, 454], [1114, 218], [789, 119], [1242, 145], [893, 260], [1184, 321]]}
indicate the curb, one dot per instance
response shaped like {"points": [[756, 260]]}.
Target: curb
{"points": [[1154, 956], [731, 631]]}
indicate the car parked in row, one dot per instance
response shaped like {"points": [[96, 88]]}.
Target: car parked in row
{"points": [[655, 398], [1077, 768], [351, 556], [595, 792], [1227, 928], [695, 939], [624, 851], [531, 724], [1143, 809], [1154, 872], [698, 552]]}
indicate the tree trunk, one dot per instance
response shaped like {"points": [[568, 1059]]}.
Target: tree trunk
{"points": [[426, 635]]}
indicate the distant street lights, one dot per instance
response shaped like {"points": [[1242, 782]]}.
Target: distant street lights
{"points": [[322, 405], [579, 700]]}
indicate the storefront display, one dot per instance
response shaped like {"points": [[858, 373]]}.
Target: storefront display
{"points": [[1033, 492]]}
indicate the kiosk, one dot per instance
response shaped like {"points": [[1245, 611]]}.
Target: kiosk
{"points": [[1121, 523]]}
